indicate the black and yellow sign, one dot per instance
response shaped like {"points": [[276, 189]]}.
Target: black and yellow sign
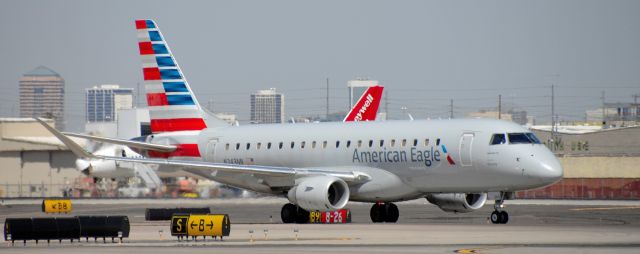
{"points": [[200, 225], [179, 225], [331, 217], [56, 205]]}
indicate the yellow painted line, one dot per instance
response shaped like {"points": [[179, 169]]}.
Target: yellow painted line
{"points": [[605, 208], [466, 251]]}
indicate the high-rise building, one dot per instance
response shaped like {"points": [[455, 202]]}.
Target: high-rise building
{"points": [[267, 106], [357, 88], [42, 95], [103, 102]]}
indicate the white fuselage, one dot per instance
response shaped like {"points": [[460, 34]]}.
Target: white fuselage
{"points": [[405, 159]]}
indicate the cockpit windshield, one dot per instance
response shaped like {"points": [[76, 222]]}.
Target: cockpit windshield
{"points": [[498, 139], [523, 138], [533, 138]]}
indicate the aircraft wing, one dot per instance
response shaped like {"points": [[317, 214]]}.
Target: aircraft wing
{"points": [[129, 143], [348, 176]]}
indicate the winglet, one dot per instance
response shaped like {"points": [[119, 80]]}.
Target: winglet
{"points": [[73, 146]]}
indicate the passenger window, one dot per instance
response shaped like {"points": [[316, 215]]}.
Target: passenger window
{"points": [[258, 145], [359, 143], [393, 142], [381, 142], [324, 144], [415, 142], [248, 146], [337, 144], [293, 144], [313, 145], [426, 142], [404, 143], [226, 147], [370, 143], [302, 144], [280, 145], [348, 143], [518, 138], [237, 146], [269, 145], [498, 139]]}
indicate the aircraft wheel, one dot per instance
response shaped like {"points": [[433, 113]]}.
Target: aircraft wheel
{"points": [[392, 213], [289, 213], [302, 216], [495, 217], [377, 213], [504, 217]]}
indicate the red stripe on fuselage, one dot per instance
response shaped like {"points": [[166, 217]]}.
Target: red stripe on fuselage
{"points": [[182, 150], [179, 124], [157, 99]]}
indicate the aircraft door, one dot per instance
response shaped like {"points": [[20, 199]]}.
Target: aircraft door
{"points": [[466, 142], [211, 150]]}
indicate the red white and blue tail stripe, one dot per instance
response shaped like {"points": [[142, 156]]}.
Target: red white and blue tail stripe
{"points": [[172, 104]]}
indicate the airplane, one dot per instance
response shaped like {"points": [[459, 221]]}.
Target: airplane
{"points": [[109, 169], [456, 164], [365, 109]]}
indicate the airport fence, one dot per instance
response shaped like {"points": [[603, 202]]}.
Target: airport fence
{"points": [[587, 188], [113, 190]]}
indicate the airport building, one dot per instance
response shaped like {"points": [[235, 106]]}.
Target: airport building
{"points": [[227, 117], [104, 101], [267, 106], [34, 162], [42, 95], [598, 163]]}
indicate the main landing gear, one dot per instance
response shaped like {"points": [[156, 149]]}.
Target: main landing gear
{"points": [[384, 212], [291, 213], [498, 216]]}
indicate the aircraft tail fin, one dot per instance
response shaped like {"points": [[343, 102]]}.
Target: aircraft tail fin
{"points": [[172, 104], [366, 109]]}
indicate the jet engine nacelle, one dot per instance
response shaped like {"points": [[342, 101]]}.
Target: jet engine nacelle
{"points": [[103, 169], [458, 202], [320, 193]]}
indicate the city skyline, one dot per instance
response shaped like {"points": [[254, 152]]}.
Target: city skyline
{"points": [[424, 53]]}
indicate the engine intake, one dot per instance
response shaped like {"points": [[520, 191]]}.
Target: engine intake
{"points": [[458, 202], [320, 193]]}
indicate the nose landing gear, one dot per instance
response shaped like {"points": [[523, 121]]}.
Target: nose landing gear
{"points": [[499, 216]]}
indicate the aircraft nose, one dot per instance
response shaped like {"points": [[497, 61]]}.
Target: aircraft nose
{"points": [[549, 169]]}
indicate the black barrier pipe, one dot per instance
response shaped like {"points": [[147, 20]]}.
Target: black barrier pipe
{"points": [[68, 228], [166, 213], [18, 229], [45, 229], [41, 229], [103, 227]]}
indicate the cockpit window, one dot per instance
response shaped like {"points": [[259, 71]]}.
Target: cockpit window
{"points": [[498, 139], [519, 138], [533, 138]]}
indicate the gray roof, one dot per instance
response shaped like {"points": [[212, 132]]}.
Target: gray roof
{"points": [[42, 71]]}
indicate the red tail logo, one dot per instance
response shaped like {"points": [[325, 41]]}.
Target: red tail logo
{"points": [[366, 109]]}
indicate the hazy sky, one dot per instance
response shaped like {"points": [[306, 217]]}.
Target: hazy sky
{"points": [[423, 52]]}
